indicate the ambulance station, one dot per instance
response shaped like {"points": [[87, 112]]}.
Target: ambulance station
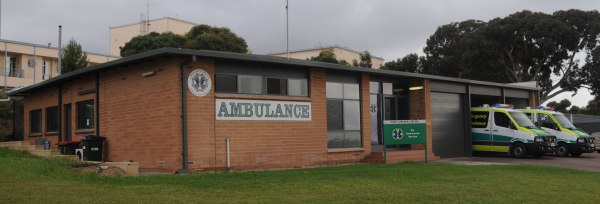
{"points": [[177, 110]]}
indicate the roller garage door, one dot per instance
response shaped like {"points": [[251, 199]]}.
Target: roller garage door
{"points": [[448, 124]]}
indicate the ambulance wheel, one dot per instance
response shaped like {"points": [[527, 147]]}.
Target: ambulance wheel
{"points": [[576, 154], [519, 150], [562, 150]]}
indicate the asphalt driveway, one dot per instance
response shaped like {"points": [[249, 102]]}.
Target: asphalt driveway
{"points": [[587, 161]]}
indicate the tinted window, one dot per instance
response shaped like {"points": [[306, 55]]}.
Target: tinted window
{"points": [[277, 86], [35, 121], [52, 119], [544, 120], [479, 119], [334, 90], [334, 115], [225, 83], [501, 119], [85, 114]]}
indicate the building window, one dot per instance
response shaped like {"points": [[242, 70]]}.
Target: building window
{"points": [[252, 84], [225, 83], [277, 86], [11, 67], [343, 115], [297, 87], [85, 114], [35, 121], [52, 119], [46, 66]]}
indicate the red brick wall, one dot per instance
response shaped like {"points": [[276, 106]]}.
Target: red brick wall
{"points": [[266, 144], [140, 116], [48, 97]]}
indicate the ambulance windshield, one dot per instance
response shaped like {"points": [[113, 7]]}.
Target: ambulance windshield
{"points": [[564, 122], [522, 119]]}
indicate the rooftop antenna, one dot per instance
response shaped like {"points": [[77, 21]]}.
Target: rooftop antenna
{"points": [[145, 20], [287, 28]]}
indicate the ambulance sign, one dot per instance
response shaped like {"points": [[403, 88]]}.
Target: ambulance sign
{"points": [[404, 132]]}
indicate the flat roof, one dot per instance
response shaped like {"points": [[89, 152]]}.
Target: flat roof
{"points": [[248, 58], [154, 20], [328, 47], [50, 47]]}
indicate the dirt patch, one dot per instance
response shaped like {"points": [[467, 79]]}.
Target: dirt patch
{"points": [[102, 170]]}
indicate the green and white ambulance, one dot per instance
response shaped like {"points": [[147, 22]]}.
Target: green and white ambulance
{"points": [[570, 139], [503, 129]]}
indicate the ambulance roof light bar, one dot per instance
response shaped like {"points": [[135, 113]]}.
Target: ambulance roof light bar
{"points": [[544, 108], [499, 105]]}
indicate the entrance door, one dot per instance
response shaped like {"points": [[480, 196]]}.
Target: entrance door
{"points": [[68, 124]]}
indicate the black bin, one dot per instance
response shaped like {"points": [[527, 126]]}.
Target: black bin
{"points": [[68, 147], [93, 147]]}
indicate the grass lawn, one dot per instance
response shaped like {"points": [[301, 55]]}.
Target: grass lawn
{"points": [[26, 178]]}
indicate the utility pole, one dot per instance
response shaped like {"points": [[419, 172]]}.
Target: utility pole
{"points": [[287, 28], [59, 49]]}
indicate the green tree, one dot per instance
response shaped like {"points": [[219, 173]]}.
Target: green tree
{"points": [[327, 55], [365, 60], [524, 46], [409, 63], [575, 110], [206, 37], [73, 57], [152, 41], [560, 106], [593, 107], [450, 51]]}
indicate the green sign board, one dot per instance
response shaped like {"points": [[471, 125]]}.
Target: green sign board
{"points": [[404, 132]]}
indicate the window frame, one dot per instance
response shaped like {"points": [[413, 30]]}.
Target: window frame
{"points": [[264, 89], [344, 131], [91, 118]]}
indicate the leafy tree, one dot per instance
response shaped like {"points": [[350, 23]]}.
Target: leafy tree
{"points": [[199, 37], [214, 38], [560, 106], [575, 110], [152, 41], [327, 55], [593, 107], [409, 63], [365, 60], [73, 57], [449, 51], [523, 46]]}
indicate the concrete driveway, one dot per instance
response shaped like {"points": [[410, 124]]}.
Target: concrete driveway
{"points": [[587, 161]]}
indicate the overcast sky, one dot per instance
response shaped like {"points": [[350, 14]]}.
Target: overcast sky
{"points": [[386, 28]]}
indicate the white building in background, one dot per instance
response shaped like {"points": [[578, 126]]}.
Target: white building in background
{"points": [[21, 68], [119, 35], [341, 53]]}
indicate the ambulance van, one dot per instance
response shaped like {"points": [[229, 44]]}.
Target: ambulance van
{"points": [[503, 129], [570, 139]]}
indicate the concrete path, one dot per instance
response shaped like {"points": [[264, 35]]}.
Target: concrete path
{"points": [[587, 161]]}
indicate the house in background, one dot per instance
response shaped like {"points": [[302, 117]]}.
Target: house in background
{"points": [[119, 35], [341, 53], [18, 63]]}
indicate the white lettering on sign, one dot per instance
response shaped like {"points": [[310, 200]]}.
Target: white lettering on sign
{"points": [[397, 122], [233, 109]]}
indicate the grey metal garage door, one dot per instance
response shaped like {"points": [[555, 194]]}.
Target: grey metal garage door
{"points": [[448, 125]]}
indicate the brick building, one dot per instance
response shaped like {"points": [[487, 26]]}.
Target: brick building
{"points": [[173, 109]]}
